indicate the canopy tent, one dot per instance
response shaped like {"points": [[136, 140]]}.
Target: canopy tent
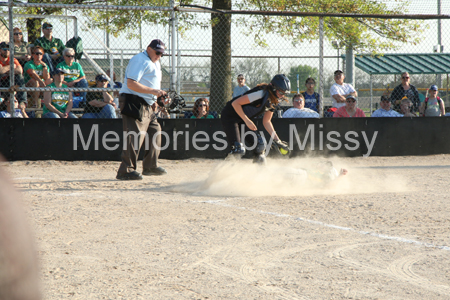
{"points": [[395, 64], [422, 63]]}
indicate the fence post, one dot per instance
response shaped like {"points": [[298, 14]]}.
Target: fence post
{"points": [[321, 80], [173, 43]]}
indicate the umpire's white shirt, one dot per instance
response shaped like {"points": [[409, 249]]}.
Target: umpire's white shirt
{"points": [[143, 70]]}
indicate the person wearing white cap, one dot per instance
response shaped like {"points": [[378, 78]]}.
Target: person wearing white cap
{"points": [[141, 89], [433, 106], [350, 110]]}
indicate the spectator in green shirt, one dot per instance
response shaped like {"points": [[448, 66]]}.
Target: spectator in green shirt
{"points": [[53, 47], [58, 105], [75, 76], [36, 73]]}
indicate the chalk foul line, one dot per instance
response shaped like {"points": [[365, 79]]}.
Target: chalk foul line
{"points": [[319, 223]]}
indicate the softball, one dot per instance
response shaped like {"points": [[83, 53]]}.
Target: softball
{"points": [[283, 151]]}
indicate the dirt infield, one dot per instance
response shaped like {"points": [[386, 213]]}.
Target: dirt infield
{"points": [[215, 230]]}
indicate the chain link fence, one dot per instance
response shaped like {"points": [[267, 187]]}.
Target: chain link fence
{"points": [[204, 59]]}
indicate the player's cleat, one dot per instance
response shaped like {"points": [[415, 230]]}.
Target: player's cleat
{"points": [[154, 171], [129, 176], [260, 159], [237, 148]]}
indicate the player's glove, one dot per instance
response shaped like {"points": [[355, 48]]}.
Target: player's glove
{"points": [[160, 100], [282, 147]]}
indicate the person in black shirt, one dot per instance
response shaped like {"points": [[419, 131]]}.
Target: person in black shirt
{"points": [[240, 111]]}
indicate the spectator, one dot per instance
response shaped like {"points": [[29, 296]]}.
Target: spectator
{"points": [[406, 106], [117, 85], [241, 88], [405, 89], [5, 71], [340, 90], [299, 110], [201, 109], [19, 110], [75, 76], [312, 99], [22, 50], [349, 110], [160, 111], [58, 104], [36, 73], [385, 110], [53, 47], [102, 105], [433, 106]]}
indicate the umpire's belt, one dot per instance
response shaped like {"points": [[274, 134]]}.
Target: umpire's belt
{"points": [[132, 97]]}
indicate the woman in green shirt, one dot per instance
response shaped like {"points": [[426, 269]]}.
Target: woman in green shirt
{"points": [[75, 76]]}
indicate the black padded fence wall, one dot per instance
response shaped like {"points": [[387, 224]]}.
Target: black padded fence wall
{"points": [[101, 139]]}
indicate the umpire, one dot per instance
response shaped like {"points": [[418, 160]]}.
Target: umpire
{"points": [[141, 87]]}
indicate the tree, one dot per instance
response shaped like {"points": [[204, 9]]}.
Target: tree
{"points": [[255, 70], [362, 34], [304, 71]]}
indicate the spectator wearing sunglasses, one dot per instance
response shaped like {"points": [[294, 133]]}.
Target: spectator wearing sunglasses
{"points": [[201, 109], [5, 72], [36, 74], [53, 47], [22, 50], [349, 110], [241, 88], [75, 76], [142, 86], [101, 104], [405, 89]]}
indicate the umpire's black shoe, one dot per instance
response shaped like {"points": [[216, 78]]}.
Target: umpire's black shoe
{"points": [[154, 171], [129, 176]]}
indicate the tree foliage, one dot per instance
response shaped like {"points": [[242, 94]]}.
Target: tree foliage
{"points": [[304, 71], [363, 34], [255, 70]]}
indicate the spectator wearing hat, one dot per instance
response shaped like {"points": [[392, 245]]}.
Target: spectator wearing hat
{"points": [[385, 110], [36, 73], [53, 47], [405, 89], [58, 104], [5, 71], [299, 110], [349, 110], [340, 90], [433, 106], [101, 104], [241, 88], [75, 76], [142, 85], [406, 107]]}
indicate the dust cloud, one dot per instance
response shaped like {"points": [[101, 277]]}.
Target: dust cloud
{"points": [[290, 177]]}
